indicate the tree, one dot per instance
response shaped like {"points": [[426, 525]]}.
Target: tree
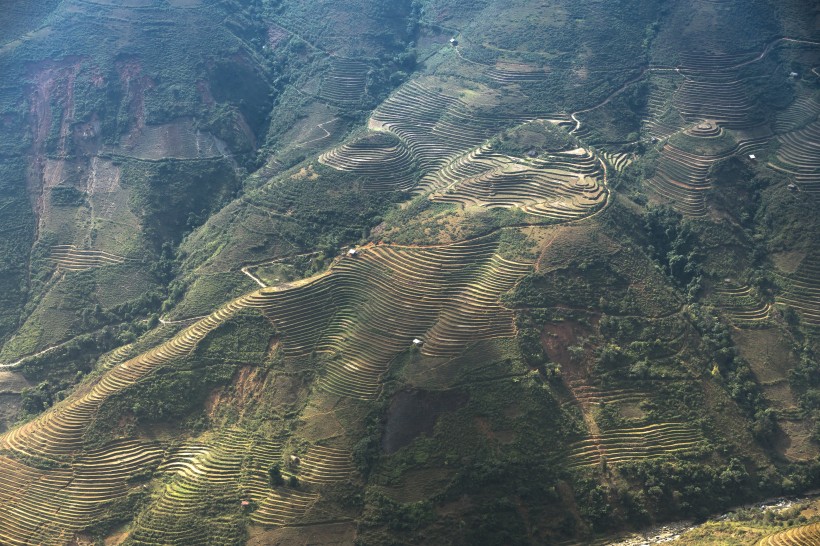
{"points": [[275, 473]]}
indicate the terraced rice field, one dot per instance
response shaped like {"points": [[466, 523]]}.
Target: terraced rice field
{"points": [[563, 186], [234, 463], [659, 124], [802, 292], [326, 465], [590, 394], [370, 307], [743, 305], [713, 90], [704, 97], [804, 535], [634, 443], [48, 507], [356, 318], [58, 433], [345, 82], [384, 163], [681, 177], [800, 112], [281, 507], [70, 258], [799, 156], [513, 73], [437, 127], [619, 161]]}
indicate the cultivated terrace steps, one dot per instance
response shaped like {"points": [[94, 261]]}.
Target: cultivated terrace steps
{"points": [[618, 160], [800, 112], [355, 318], [437, 127], [196, 475], [713, 90], [321, 465], [383, 162], [58, 432], [560, 186], [514, 73], [345, 83], [69, 487], [70, 258], [804, 535], [799, 156], [681, 177], [371, 306], [802, 290], [743, 305], [634, 443], [585, 394], [49, 506]]}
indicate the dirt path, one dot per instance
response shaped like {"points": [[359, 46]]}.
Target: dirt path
{"points": [[16, 363], [256, 279], [180, 321], [322, 127]]}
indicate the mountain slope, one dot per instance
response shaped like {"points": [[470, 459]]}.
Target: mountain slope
{"points": [[414, 272]]}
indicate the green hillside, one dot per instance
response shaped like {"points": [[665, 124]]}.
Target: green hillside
{"points": [[414, 272]]}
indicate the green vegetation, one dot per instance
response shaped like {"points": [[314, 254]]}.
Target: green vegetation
{"points": [[286, 271]]}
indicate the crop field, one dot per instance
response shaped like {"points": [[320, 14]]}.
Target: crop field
{"points": [[802, 290], [799, 156], [803, 535], [743, 306], [561, 186], [411, 272], [315, 316]]}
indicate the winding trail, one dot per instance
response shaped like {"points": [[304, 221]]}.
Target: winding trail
{"points": [[256, 279], [180, 321], [17, 363], [322, 127]]}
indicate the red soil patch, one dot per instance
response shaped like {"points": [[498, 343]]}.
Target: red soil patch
{"points": [[557, 338], [53, 83], [275, 35], [244, 391], [135, 85], [205, 93]]}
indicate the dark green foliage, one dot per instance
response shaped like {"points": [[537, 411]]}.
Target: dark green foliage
{"points": [[673, 243], [689, 488], [67, 196], [16, 234], [242, 85], [380, 510], [275, 476], [168, 192]]}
